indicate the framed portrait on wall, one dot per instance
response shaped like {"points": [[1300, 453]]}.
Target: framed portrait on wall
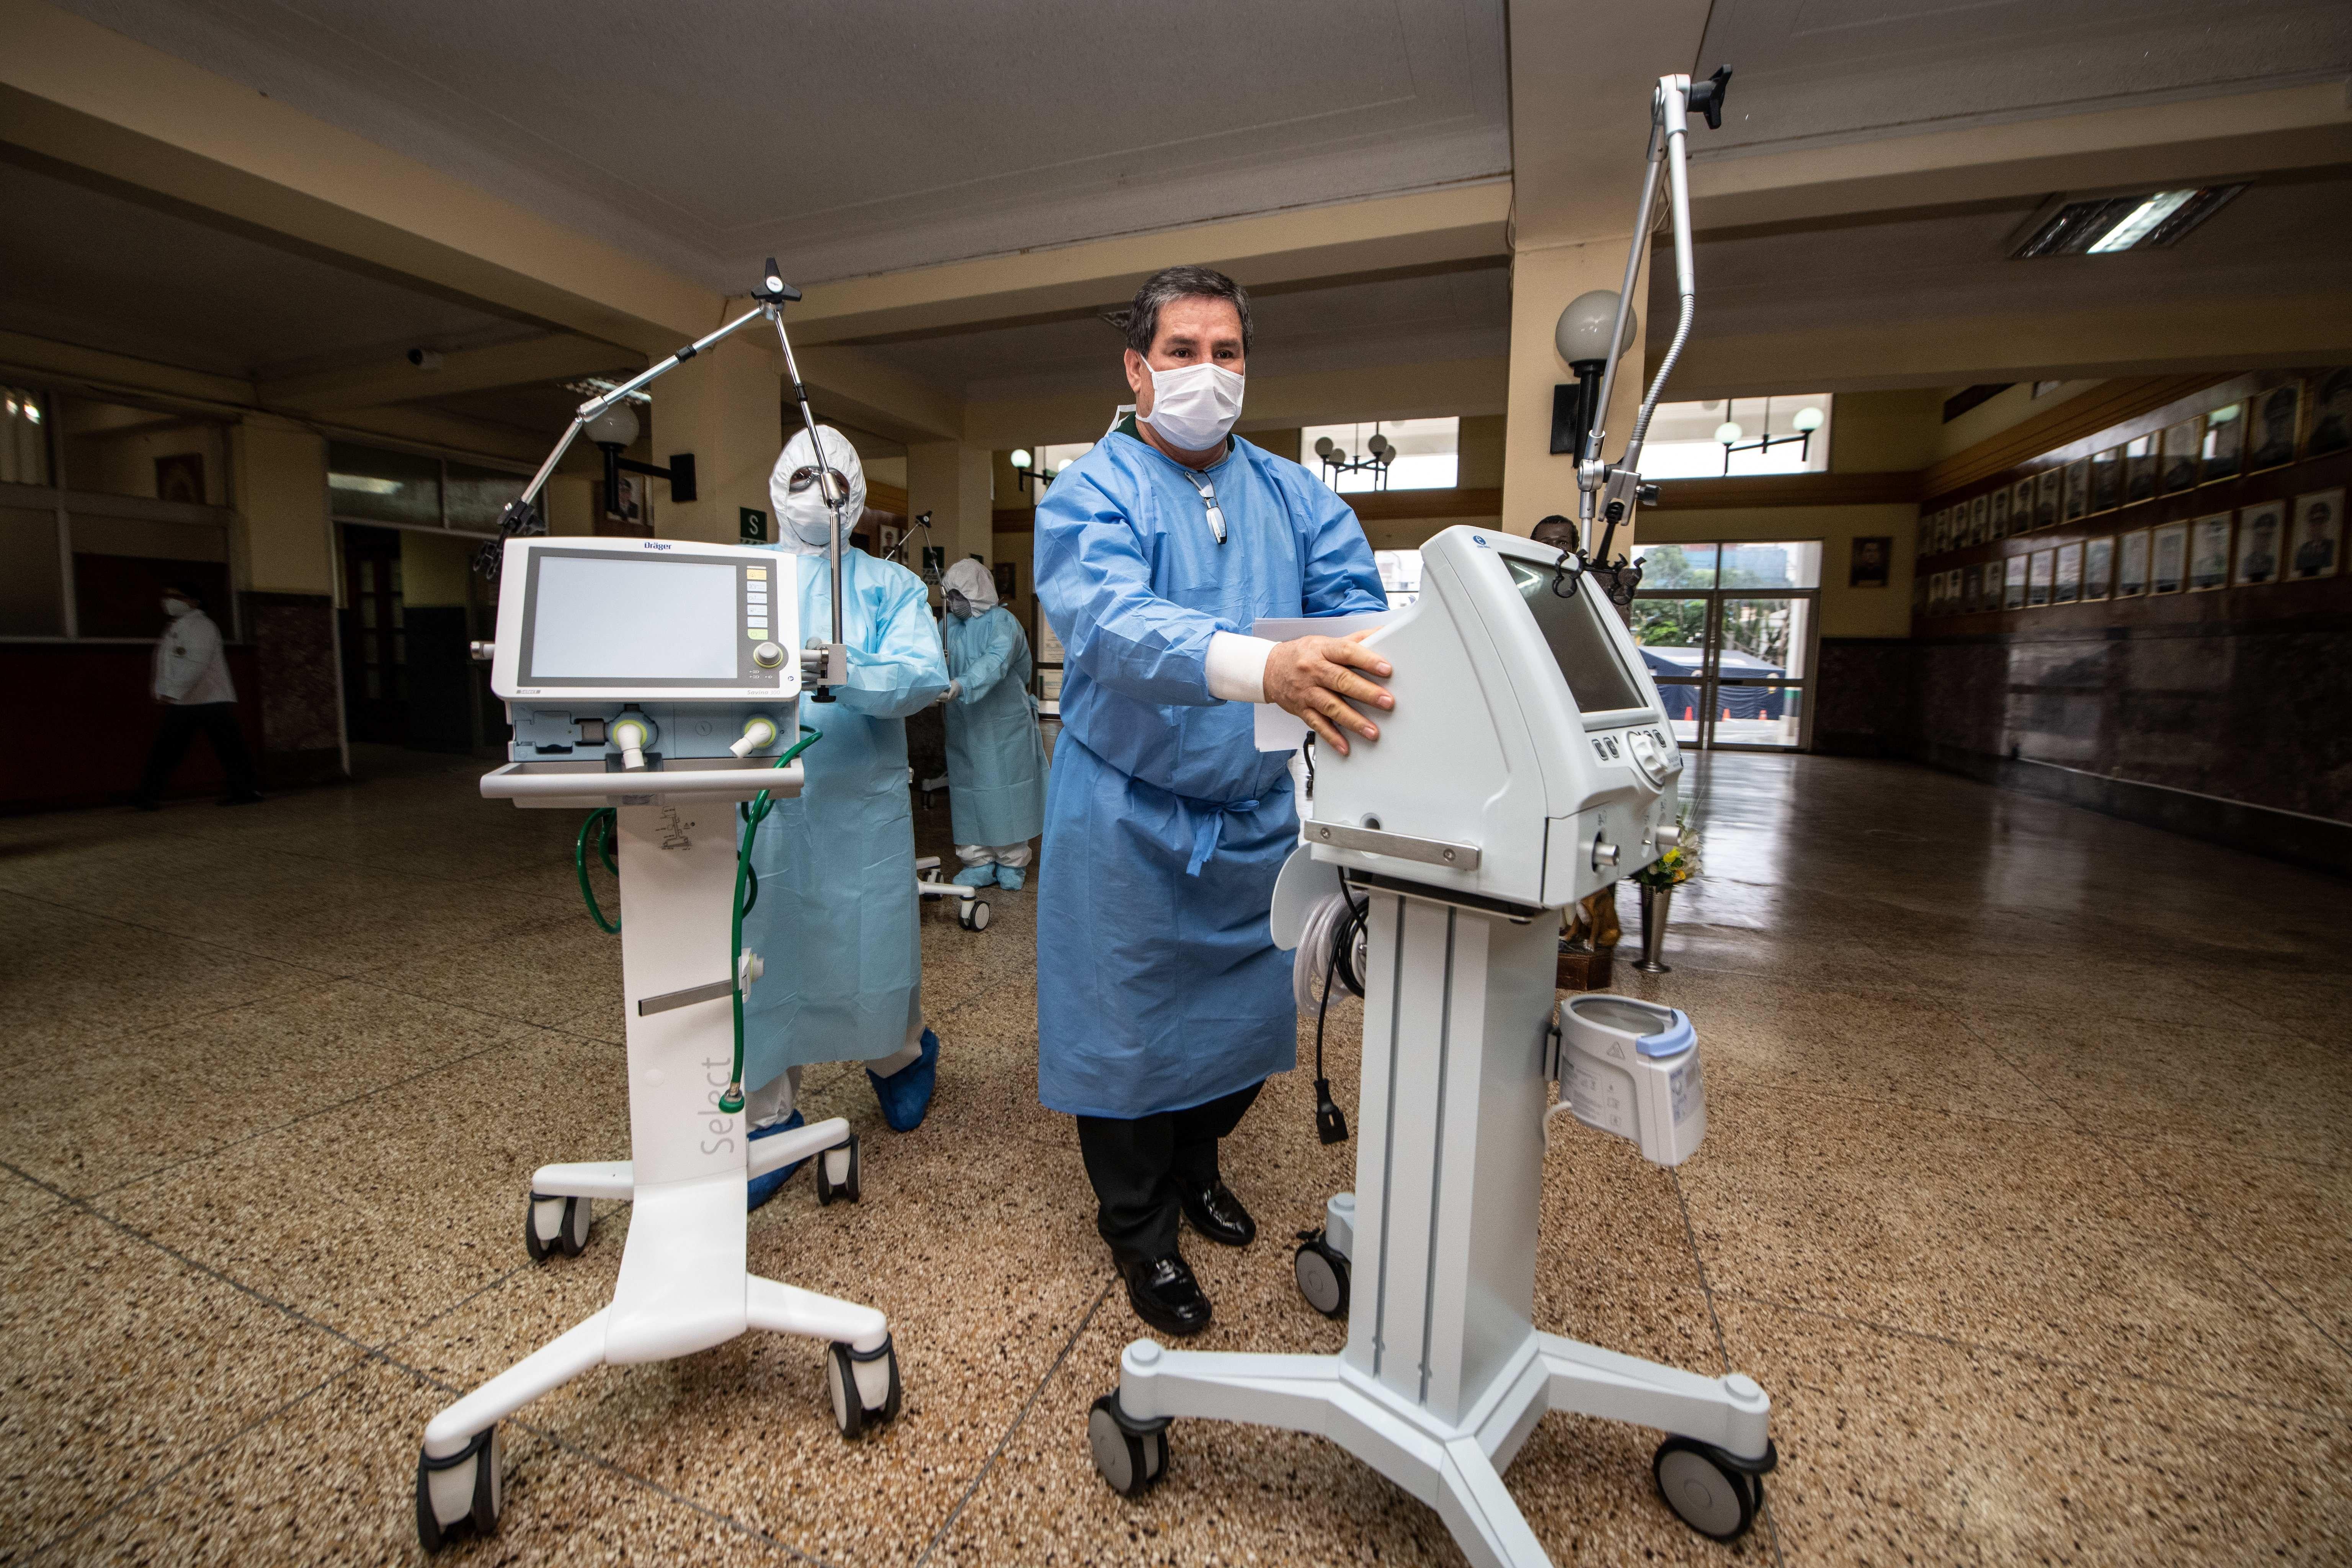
{"points": [[2225, 444], [2131, 565], [2278, 414], [2209, 553], [1978, 511], [1971, 589], [2040, 571], [2068, 587], [2012, 596], [2139, 470], [1999, 526], [2078, 488], [2318, 547], [1935, 594], [2108, 479], [2046, 487], [2098, 567], [1871, 556], [2177, 468], [2331, 413], [2168, 558], [2020, 506], [2262, 542]]}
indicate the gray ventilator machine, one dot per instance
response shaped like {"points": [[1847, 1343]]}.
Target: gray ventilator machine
{"points": [[651, 677], [1527, 764]]}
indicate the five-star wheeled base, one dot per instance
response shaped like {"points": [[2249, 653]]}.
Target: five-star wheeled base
{"points": [[1709, 1474], [683, 1287]]}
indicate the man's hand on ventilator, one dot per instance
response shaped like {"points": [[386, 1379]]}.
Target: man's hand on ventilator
{"points": [[1309, 676]]}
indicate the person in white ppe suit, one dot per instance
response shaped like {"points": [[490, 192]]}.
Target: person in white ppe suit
{"points": [[835, 917], [996, 762], [191, 682]]}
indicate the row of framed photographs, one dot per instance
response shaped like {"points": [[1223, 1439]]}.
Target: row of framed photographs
{"points": [[2250, 436], [2224, 549]]}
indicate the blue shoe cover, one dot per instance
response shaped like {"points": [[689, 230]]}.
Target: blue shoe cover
{"points": [[761, 1188], [906, 1094], [1010, 878], [982, 875]]}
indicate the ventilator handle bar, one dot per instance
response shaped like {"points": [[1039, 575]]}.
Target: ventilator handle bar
{"points": [[1611, 492]]}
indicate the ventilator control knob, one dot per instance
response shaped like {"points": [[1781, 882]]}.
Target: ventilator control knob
{"points": [[1669, 835], [767, 654], [1603, 854]]}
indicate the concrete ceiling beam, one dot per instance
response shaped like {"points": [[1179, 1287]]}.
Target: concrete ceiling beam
{"points": [[559, 357], [1384, 234], [2150, 339], [2188, 142], [92, 100]]}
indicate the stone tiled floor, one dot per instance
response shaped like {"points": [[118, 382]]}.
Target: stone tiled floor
{"points": [[2028, 1196]]}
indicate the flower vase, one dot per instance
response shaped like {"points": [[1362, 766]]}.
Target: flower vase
{"points": [[1655, 903]]}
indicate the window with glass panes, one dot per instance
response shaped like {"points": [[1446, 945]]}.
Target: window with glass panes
{"points": [[1727, 629]]}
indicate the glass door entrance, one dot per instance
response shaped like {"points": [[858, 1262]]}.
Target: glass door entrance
{"points": [[1727, 632]]}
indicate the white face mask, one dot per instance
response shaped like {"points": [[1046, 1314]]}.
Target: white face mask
{"points": [[175, 608], [1195, 405]]}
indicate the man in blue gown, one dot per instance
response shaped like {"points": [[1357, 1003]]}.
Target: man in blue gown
{"points": [[1162, 1003], [996, 763], [836, 916]]}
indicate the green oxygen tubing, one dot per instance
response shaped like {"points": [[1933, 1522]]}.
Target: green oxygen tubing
{"points": [[601, 826]]}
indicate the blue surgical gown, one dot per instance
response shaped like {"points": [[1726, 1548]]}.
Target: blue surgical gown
{"points": [[996, 763], [836, 923], [1158, 985]]}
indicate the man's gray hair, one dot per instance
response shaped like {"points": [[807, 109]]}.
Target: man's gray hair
{"points": [[1172, 283]]}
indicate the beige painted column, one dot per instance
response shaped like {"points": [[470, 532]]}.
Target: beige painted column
{"points": [[1537, 484], [951, 481], [726, 406], [280, 474]]}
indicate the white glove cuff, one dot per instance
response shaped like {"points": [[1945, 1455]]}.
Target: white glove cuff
{"points": [[1236, 666]]}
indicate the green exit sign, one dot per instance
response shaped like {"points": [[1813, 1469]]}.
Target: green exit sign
{"points": [[754, 525]]}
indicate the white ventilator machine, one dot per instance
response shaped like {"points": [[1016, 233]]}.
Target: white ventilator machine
{"points": [[655, 680], [1526, 765]]}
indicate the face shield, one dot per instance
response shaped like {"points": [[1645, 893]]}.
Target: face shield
{"points": [[971, 581], [797, 491]]}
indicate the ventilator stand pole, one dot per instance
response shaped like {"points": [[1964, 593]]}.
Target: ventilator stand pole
{"points": [[1617, 489], [836, 652]]}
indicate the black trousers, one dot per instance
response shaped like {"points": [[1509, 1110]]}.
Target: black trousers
{"points": [[1139, 1166], [181, 722]]}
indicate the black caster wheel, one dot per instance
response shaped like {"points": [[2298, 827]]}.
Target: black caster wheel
{"points": [[863, 1387], [1131, 1455], [459, 1493], [1322, 1271], [974, 915], [1715, 1492], [552, 1224], [836, 1172]]}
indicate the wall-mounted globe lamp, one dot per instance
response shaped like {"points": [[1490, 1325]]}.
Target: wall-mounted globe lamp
{"points": [[1580, 338], [1379, 453], [1026, 471], [1729, 434], [614, 432]]}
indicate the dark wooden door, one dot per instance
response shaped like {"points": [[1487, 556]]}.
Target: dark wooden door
{"points": [[375, 640]]}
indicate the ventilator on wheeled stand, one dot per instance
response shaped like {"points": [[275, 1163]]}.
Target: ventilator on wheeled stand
{"points": [[657, 684], [1526, 765]]}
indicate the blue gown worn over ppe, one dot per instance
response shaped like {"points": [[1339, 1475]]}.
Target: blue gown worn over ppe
{"points": [[1158, 985], [996, 763], [836, 923]]}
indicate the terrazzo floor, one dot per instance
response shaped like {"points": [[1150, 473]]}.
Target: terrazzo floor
{"points": [[2027, 1195]]}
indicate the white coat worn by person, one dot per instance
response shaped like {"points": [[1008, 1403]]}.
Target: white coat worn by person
{"points": [[192, 683], [836, 917], [996, 760]]}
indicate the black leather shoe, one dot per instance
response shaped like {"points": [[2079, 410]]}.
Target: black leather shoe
{"points": [[1165, 1295], [1216, 1214]]}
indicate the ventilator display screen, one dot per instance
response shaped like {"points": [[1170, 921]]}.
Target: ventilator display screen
{"points": [[631, 619], [1579, 643]]}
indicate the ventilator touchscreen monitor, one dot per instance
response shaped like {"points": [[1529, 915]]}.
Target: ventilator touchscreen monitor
{"points": [[1579, 643], [618, 618]]}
